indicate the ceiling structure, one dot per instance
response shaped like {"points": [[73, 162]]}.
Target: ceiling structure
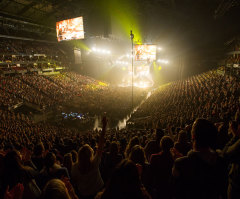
{"points": [[194, 28], [207, 21], [47, 12], [44, 12]]}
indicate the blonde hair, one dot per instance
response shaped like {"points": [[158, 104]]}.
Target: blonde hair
{"points": [[55, 189]]}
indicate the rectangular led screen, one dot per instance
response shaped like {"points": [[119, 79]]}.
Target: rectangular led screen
{"points": [[145, 52], [70, 29]]}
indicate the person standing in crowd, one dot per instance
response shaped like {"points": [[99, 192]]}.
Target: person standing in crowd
{"points": [[86, 175], [182, 145], [111, 159], [124, 183], [67, 162], [16, 173], [232, 153], [201, 174], [138, 156], [134, 141], [57, 189], [161, 169], [51, 170], [153, 146], [38, 157]]}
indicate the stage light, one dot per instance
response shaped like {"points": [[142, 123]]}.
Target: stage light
{"points": [[163, 61], [159, 48], [122, 62], [102, 51]]}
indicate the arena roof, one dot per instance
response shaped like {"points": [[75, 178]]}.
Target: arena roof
{"points": [[45, 12], [186, 20], [49, 11]]}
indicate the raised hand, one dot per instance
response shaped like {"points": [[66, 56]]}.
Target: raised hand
{"points": [[102, 135], [104, 120], [15, 193]]}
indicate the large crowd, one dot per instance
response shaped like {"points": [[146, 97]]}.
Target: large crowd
{"points": [[27, 47], [176, 155], [16, 53], [209, 95], [39, 89], [50, 92], [171, 163], [97, 96]]}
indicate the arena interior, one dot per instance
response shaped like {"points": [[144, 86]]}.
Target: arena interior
{"points": [[120, 99]]}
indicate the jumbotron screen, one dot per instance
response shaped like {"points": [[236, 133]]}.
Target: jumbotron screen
{"points": [[70, 29], [145, 52]]}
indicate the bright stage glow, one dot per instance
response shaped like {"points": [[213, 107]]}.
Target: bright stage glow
{"points": [[141, 77], [70, 29], [101, 51], [145, 83], [145, 52], [163, 61], [122, 62], [128, 56], [137, 83], [142, 84]]}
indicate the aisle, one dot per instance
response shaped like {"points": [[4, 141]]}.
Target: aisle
{"points": [[121, 123]]}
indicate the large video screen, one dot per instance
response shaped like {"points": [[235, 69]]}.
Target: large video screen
{"points": [[145, 52], [70, 29]]}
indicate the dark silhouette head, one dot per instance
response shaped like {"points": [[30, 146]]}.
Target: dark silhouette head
{"points": [[166, 143], [204, 134], [124, 183]]}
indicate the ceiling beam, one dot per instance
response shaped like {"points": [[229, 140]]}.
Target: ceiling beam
{"points": [[4, 4], [27, 7]]}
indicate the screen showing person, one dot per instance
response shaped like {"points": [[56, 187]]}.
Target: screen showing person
{"points": [[145, 52], [70, 29]]}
